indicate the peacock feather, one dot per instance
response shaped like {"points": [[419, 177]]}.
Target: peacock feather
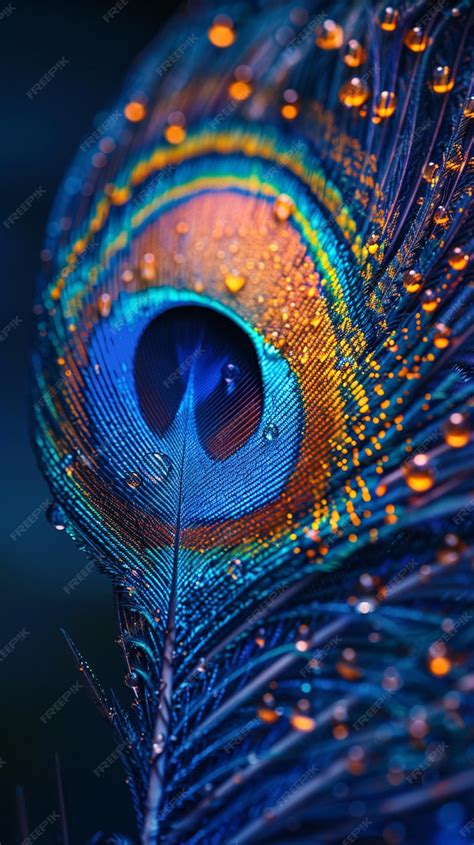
{"points": [[252, 403]]}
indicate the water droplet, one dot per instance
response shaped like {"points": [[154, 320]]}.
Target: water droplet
{"points": [[441, 338], [389, 19], [354, 92], [222, 33], [429, 172], [355, 54], [67, 464], [240, 89], [271, 432], [386, 104], [234, 283], [330, 36], [429, 300], [230, 373], [57, 517], [131, 679], [133, 480], [451, 550], [458, 258], [104, 304], [83, 459], [416, 39], [156, 467], [158, 745], [469, 107], [456, 431], [283, 207], [365, 606], [233, 568], [443, 80], [412, 281], [441, 216]]}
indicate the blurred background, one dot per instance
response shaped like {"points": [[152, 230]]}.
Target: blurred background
{"points": [[39, 139]]}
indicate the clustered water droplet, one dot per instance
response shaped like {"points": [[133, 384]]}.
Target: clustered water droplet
{"points": [[134, 480], [132, 678], [159, 745], [230, 373], [271, 432]]}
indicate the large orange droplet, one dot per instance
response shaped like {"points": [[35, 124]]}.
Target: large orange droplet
{"points": [[222, 33], [134, 111], [302, 723], [440, 666], [418, 474]]}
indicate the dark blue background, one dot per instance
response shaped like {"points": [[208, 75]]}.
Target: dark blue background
{"points": [[39, 138]]}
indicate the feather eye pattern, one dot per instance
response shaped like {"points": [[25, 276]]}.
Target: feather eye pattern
{"points": [[252, 402]]}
